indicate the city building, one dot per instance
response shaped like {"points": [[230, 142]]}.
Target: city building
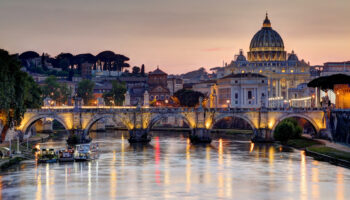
{"points": [[86, 70], [136, 86], [174, 84], [301, 96], [158, 86], [268, 57], [330, 68], [243, 90], [342, 98], [204, 87]]}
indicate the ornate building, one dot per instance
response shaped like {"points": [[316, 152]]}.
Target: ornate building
{"points": [[268, 57]]}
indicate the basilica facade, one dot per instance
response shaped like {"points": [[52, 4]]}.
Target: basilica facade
{"points": [[267, 56]]}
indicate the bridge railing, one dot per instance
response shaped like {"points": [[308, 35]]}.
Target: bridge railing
{"points": [[111, 109]]}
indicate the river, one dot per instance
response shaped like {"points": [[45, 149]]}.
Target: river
{"points": [[171, 168]]}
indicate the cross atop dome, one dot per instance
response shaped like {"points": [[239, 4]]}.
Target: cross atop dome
{"points": [[267, 23]]}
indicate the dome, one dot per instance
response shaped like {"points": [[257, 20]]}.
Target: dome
{"points": [[293, 57], [240, 57], [266, 45]]}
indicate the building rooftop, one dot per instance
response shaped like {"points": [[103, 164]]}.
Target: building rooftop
{"points": [[244, 75]]}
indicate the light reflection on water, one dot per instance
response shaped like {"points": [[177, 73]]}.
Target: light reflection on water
{"points": [[170, 167]]}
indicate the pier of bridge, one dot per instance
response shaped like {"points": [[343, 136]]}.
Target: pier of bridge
{"points": [[139, 120]]}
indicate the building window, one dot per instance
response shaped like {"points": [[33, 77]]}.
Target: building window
{"points": [[236, 102], [291, 71], [263, 81], [236, 81], [249, 95], [236, 95], [283, 70]]}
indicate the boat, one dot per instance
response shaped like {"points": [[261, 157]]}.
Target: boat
{"points": [[47, 156], [66, 155], [85, 152]]}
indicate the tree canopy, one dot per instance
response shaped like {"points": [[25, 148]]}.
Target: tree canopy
{"points": [[85, 91], [328, 82], [56, 91], [116, 95], [188, 98], [18, 91], [287, 129]]}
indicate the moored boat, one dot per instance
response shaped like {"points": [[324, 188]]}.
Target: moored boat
{"points": [[47, 156], [85, 152], [66, 155]]}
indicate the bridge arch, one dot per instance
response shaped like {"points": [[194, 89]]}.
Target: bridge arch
{"points": [[158, 117], [99, 117], [291, 115], [222, 116], [34, 119]]}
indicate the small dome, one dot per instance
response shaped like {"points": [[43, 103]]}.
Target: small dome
{"points": [[241, 57], [293, 57]]}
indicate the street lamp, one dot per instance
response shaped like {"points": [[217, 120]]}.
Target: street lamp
{"points": [[228, 103]]}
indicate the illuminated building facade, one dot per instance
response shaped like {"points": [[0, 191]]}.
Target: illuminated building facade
{"points": [[268, 57]]}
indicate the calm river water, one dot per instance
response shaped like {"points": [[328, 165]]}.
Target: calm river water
{"points": [[171, 168]]}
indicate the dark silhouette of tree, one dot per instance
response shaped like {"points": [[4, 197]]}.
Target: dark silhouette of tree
{"points": [[56, 91], [112, 61], [142, 69], [28, 55], [135, 70], [188, 98], [18, 91], [85, 90], [116, 94], [44, 57], [64, 60], [106, 58]]}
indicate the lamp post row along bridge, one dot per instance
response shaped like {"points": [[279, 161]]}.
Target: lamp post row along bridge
{"points": [[139, 120]]}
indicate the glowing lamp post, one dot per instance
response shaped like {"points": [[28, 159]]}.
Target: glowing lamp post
{"points": [[228, 103]]}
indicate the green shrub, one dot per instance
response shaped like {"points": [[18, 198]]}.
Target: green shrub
{"points": [[287, 129]]}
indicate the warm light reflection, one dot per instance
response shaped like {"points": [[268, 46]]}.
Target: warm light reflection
{"points": [[303, 180], [89, 180], [38, 193], [271, 155], [207, 157], [157, 159], [113, 178], [251, 147], [290, 176], [220, 151], [315, 183], [0, 187], [340, 184], [188, 166]]}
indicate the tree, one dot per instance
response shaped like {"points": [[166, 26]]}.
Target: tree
{"points": [[44, 57], [116, 95], [85, 91], [56, 91], [18, 92], [32, 94], [188, 98], [135, 70], [142, 69], [287, 129]]}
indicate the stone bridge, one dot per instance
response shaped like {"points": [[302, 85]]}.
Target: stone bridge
{"points": [[139, 120]]}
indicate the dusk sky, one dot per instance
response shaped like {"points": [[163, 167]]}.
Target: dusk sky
{"points": [[177, 35]]}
